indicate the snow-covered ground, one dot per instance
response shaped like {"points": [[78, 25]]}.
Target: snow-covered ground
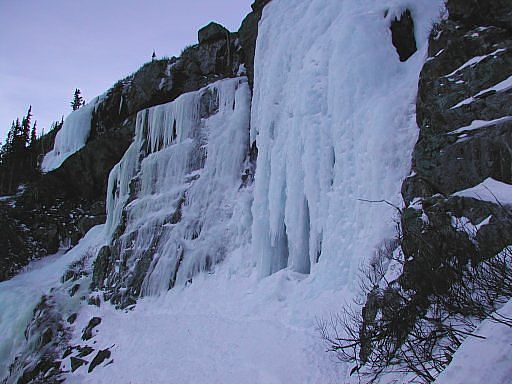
{"points": [[227, 327], [483, 361]]}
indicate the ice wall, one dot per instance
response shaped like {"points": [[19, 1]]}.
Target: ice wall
{"points": [[170, 201], [71, 137], [334, 120]]}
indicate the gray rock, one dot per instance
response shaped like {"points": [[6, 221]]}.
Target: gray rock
{"points": [[212, 32], [402, 34], [100, 357], [88, 330], [76, 363]]}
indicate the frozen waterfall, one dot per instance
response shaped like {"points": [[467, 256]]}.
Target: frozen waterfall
{"points": [[171, 198], [334, 120], [71, 137]]}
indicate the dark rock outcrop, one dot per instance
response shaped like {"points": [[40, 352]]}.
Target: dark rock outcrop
{"points": [[402, 35], [454, 92], [100, 357], [212, 32], [88, 331], [248, 34], [479, 12]]}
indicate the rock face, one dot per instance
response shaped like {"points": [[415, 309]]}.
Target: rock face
{"points": [[212, 32], [248, 33], [464, 81], [463, 110], [463, 113]]}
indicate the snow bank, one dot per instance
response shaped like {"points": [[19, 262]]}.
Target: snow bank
{"points": [[334, 120], [489, 190], [480, 361], [71, 137]]}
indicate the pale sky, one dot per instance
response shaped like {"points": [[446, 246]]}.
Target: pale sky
{"points": [[50, 47]]}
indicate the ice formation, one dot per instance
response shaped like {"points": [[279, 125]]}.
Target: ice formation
{"points": [[334, 119], [178, 183], [71, 137]]}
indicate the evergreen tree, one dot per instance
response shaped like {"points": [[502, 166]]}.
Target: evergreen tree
{"points": [[25, 125], [17, 141], [78, 100], [33, 134]]}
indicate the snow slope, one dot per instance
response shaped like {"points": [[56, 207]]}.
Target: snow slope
{"points": [[20, 295], [489, 190], [486, 361], [71, 137], [228, 327]]}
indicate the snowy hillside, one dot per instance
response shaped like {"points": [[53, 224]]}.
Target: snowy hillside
{"points": [[215, 267]]}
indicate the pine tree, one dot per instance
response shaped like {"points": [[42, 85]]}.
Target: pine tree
{"points": [[78, 100], [25, 128], [33, 134], [17, 140]]}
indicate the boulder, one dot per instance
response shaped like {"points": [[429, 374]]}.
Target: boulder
{"points": [[212, 32]]}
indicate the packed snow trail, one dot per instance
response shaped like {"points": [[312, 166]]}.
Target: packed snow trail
{"points": [[334, 120], [224, 328]]}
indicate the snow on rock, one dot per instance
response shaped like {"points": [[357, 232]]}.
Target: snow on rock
{"points": [[478, 124], [486, 360], [476, 60], [334, 120], [71, 137], [489, 190], [20, 295], [502, 86]]}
